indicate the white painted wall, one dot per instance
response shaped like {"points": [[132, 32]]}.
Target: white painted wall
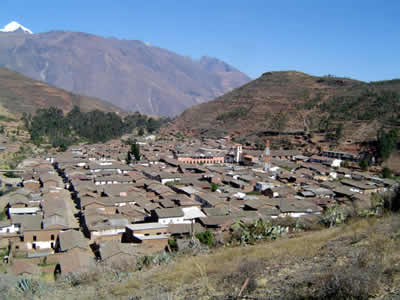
{"points": [[13, 228], [108, 232], [179, 220], [41, 245]]}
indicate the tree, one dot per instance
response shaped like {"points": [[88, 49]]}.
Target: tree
{"points": [[135, 150], [214, 187], [364, 165], [386, 143], [339, 132], [260, 145], [26, 119], [141, 132], [386, 173], [128, 158]]}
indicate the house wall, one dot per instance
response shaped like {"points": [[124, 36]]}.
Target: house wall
{"points": [[108, 238], [13, 228], [41, 239], [18, 205], [297, 214], [107, 232], [50, 183], [148, 231], [164, 181], [32, 186], [177, 220], [204, 160]]}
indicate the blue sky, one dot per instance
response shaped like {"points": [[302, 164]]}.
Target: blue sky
{"points": [[358, 39]]}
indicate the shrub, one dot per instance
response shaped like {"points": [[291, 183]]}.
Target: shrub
{"points": [[364, 165], [391, 201], [173, 244], [386, 173], [214, 187], [206, 238], [10, 174]]}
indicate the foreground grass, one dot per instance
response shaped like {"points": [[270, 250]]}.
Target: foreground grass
{"points": [[206, 273], [355, 261]]}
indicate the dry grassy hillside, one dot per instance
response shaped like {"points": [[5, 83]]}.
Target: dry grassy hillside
{"points": [[20, 94], [357, 260], [294, 101]]}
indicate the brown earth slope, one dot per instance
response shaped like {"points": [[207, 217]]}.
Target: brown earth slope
{"points": [[21, 94], [294, 101], [130, 74]]}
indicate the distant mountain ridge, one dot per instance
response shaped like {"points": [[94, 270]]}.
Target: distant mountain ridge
{"points": [[291, 101], [130, 74], [20, 94]]}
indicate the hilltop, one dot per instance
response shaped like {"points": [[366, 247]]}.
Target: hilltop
{"points": [[133, 75], [20, 94], [291, 101]]}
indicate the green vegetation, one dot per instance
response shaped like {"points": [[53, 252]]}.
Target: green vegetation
{"points": [[333, 216], [96, 126], [249, 234], [387, 173], [173, 183], [214, 187], [10, 174], [260, 144], [237, 113], [280, 121], [3, 214], [6, 119], [134, 153], [386, 143], [254, 193], [206, 238], [364, 165], [366, 104], [172, 243]]}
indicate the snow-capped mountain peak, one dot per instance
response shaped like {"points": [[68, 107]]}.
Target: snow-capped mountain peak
{"points": [[15, 27]]}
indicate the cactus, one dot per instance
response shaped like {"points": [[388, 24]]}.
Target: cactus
{"points": [[25, 284]]}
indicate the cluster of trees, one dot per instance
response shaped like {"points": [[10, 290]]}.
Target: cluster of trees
{"points": [[371, 104], [52, 126]]}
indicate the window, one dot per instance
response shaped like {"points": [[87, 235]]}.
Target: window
{"points": [[147, 234], [52, 245], [52, 237], [34, 245], [34, 238], [22, 238]]}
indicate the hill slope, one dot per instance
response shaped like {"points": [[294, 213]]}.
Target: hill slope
{"points": [[21, 94], [293, 101], [129, 74], [355, 261]]}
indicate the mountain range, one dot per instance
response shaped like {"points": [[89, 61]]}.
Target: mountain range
{"points": [[130, 74]]}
